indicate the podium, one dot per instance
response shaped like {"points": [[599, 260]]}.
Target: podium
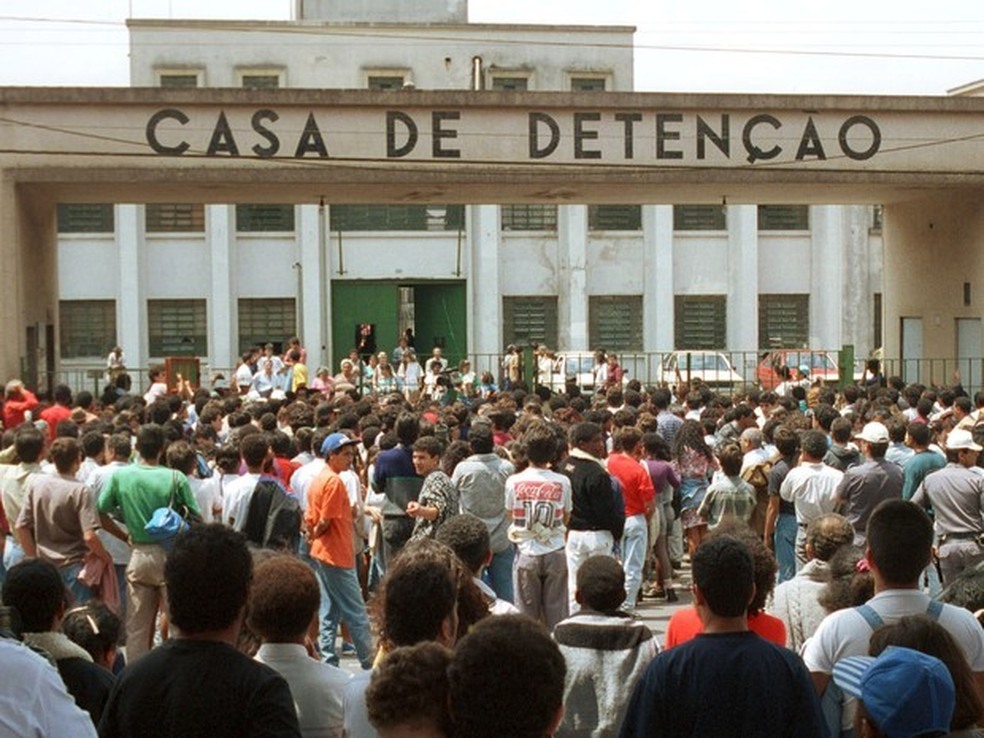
{"points": [[189, 367]]}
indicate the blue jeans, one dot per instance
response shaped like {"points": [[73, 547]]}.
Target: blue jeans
{"points": [[634, 542], [344, 602], [499, 573], [81, 593], [784, 545]]}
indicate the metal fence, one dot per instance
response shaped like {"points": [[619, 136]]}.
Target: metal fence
{"points": [[725, 370]]}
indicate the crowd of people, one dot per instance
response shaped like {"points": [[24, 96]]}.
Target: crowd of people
{"points": [[193, 561]]}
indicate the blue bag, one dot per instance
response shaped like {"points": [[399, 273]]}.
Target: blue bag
{"points": [[166, 523]]}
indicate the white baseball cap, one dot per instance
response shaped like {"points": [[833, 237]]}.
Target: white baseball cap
{"points": [[874, 432], [960, 438]]}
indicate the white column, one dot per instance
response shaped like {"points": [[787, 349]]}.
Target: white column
{"points": [[315, 286], [857, 309], [223, 334], [827, 276], [483, 289], [131, 306], [743, 277], [658, 300], [572, 277]]}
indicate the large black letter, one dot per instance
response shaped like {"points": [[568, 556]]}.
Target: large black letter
{"points": [[535, 151], [629, 120], [722, 140], [437, 117], [663, 135], [222, 139], [754, 152], [265, 152], [311, 140], [863, 120], [152, 124], [810, 144], [580, 135], [392, 116]]}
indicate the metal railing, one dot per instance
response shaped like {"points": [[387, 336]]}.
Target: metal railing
{"points": [[725, 370]]}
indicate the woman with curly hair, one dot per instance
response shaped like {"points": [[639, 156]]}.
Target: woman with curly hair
{"points": [[694, 463]]}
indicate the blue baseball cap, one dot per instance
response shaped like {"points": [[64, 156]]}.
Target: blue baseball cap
{"points": [[906, 693], [336, 441]]}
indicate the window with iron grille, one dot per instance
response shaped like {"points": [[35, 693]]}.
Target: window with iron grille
{"points": [[784, 321], [784, 217], [178, 80], [529, 217], [614, 217], [385, 82], [266, 320], [175, 217], [700, 322], [264, 218], [87, 328], [177, 328], [518, 84], [615, 322], [588, 84], [260, 81], [85, 218], [529, 320], [397, 217], [699, 218]]}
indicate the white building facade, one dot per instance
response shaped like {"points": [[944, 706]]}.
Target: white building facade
{"points": [[211, 280]]}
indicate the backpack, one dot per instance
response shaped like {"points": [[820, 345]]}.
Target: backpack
{"points": [[274, 517], [758, 477]]}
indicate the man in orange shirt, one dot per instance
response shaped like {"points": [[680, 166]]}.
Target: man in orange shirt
{"points": [[637, 491], [328, 522]]}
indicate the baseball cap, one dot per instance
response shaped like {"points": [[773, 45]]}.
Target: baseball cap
{"points": [[336, 441], [905, 692], [960, 439], [804, 369], [874, 432]]}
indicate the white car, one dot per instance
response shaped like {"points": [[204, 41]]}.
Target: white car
{"points": [[572, 367], [711, 367]]}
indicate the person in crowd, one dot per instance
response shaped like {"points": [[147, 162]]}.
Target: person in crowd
{"points": [[58, 521], [18, 401], [197, 683], [29, 445], [605, 649], [729, 498], [902, 693], [924, 461], [728, 680], [811, 488], [34, 588], [132, 494], [695, 463], [506, 678], [438, 499], [408, 694], [395, 477], [97, 630], [899, 545], [955, 494], [638, 495], [328, 521], [538, 502], [925, 635], [665, 483], [481, 483], [842, 454], [597, 520], [796, 601], [60, 411], [283, 606], [780, 516], [469, 538], [866, 485]]}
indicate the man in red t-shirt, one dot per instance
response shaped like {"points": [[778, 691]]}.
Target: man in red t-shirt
{"points": [[637, 491], [328, 521]]}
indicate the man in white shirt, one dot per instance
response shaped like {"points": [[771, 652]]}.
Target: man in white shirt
{"points": [[256, 451], [899, 546], [811, 487], [284, 601]]}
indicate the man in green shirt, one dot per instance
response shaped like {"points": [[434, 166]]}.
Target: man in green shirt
{"points": [[924, 462], [132, 494]]}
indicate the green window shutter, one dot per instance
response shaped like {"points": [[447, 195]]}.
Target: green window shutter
{"points": [[784, 321], [529, 320], [615, 322], [700, 322]]}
